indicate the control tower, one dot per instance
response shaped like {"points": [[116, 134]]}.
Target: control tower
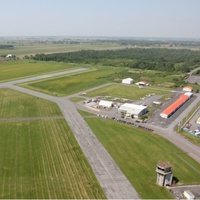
{"points": [[164, 174]]}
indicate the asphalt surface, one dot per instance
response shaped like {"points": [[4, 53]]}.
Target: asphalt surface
{"points": [[110, 177], [178, 192], [44, 76]]}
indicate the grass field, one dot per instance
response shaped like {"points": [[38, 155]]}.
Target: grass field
{"points": [[125, 91], [41, 159], [71, 84], [137, 152], [14, 104], [24, 68], [76, 99], [29, 48]]}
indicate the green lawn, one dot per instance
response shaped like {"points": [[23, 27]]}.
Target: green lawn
{"points": [[76, 99], [41, 159], [85, 114], [71, 84], [125, 91], [137, 152], [25, 68]]}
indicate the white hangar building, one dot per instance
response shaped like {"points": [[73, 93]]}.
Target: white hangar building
{"points": [[127, 81], [133, 109], [106, 104]]}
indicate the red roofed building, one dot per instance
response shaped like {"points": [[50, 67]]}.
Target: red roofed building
{"points": [[176, 105], [187, 89], [142, 83]]}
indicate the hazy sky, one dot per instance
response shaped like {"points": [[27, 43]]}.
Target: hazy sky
{"points": [[127, 18]]}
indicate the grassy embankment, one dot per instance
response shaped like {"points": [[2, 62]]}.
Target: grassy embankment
{"points": [[41, 159], [137, 152]]}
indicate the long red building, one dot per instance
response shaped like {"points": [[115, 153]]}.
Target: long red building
{"points": [[176, 105]]}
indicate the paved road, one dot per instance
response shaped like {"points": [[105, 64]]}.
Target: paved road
{"points": [[110, 177]]}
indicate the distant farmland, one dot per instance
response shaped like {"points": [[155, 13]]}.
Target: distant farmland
{"points": [[41, 159]]}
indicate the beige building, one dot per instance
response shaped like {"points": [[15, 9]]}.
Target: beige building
{"points": [[164, 174]]}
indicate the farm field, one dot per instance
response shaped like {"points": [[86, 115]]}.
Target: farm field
{"points": [[125, 91], [41, 159], [25, 68], [29, 48], [137, 152], [71, 84]]}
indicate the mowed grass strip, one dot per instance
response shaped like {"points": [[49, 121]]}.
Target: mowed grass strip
{"points": [[137, 152], [26, 68], [42, 160], [125, 91], [14, 104], [71, 84]]}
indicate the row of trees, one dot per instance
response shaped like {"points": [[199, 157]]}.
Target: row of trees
{"points": [[6, 46], [140, 58]]}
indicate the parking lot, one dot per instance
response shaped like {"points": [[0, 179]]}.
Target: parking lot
{"points": [[177, 192], [193, 79], [192, 125]]}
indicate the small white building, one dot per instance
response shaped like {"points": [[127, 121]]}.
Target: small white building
{"points": [[133, 109], [127, 81], [106, 104], [187, 89], [9, 56]]}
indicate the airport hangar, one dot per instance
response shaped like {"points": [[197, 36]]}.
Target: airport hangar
{"points": [[176, 105], [133, 110]]}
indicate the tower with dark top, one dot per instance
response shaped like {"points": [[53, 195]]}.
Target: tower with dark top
{"points": [[164, 174]]}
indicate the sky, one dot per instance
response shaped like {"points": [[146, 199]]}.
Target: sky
{"points": [[101, 18]]}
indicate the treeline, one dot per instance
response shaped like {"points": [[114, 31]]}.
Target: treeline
{"points": [[6, 46], [140, 58]]}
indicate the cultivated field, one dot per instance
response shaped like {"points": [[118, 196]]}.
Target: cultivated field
{"points": [[24, 68], [41, 159], [137, 153], [71, 84], [22, 48], [126, 91]]}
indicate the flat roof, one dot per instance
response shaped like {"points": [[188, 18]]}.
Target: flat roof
{"points": [[164, 165], [132, 108]]}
